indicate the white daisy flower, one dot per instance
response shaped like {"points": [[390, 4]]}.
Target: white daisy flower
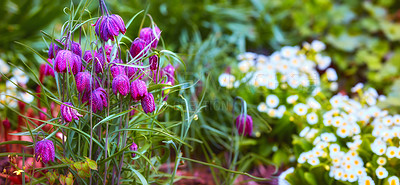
{"points": [[262, 107], [366, 180], [272, 101], [357, 87], [393, 180], [381, 161], [226, 80], [312, 118], [291, 99], [300, 109], [381, 172], [318, 46], [331, 74]]}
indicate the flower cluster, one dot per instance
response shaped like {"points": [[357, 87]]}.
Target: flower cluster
{"points": [[355, 139], [292, 69]]}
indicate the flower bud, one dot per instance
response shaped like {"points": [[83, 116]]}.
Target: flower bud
{"points": [[68, 113], [138, 89], [150, 36], [138, 49], [244, 125], [120, 84], [44, 150], [74, 47], [109, 26], [53, 50], [133, 147], [148, 104], [153, 61]]}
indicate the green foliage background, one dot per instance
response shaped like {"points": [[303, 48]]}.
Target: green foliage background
{"points": [[362, 38]]}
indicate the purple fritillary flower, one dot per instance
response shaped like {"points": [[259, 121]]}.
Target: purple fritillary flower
{"points": [[120, 84], [46, 69], [169, 71], [148, 104], [83, 81], [53, 50], [109, 26], [138, 89], [68, 113], [88, 56], [138, 49], [133, 147], [44, 150], [117, 70], [150, 36], [153, 61], [85, 96], [67, 61], [99, 99], [244, 125], [74, 47]]}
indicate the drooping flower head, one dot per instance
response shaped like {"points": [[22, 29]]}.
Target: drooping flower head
{"points": [[138, 89], [68, 113], [133, 147], [148, 104], [117, 69], [74, 47], [83, 81], [44, 151], [138, 48], [169, 71], [153, 61], [46, 69], [109, 26], [150, 36], [67, 61], [244, 124], [99, 99], [120, 84]]}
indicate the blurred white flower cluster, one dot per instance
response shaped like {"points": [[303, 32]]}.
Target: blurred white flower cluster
{"points": [[292, 69], [10, 91], [356, 139]]}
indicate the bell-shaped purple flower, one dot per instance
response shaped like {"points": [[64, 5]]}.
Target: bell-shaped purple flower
{"points": [[88, 56], [74, 47], [85, 96], [138, 48], [46, 69], [109, 26], [67, 61], [99, 99], [169, 71], [83, 81], [133, 147], [53, 50], [148, 104], [117, 70], [68, 113], [120, 84], [244, 124], [44, 151], [153, 61], [138, 89], [150, 36]]}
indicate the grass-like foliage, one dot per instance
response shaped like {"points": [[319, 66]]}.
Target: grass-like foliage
{"points": [[96, 126]]}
